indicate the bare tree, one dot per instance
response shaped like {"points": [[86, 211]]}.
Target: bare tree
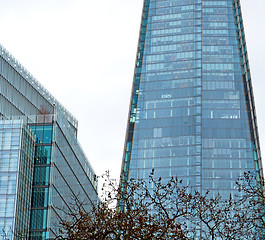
{"points": [[148, 217], [251, 189], [155, 209]]}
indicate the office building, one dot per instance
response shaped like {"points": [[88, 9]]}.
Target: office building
{"points": [[192, 112], [42, 165]]}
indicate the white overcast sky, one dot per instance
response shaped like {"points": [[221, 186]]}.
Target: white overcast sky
{"points": [[83, 52]]}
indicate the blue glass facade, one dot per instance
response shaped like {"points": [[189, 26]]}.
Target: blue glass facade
{"points": [[16, 172], [192, 112], [226, 140], [41, 180]]}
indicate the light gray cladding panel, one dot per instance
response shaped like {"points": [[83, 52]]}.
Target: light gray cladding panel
{"points": [[20, 93], [23, 81]]}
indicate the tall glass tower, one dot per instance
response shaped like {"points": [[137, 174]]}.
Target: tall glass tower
{"points": [[192, 112]]}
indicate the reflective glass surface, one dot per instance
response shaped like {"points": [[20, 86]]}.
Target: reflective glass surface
{"points": [[41, 180], [189, 114], [10, 137], [61, 172], [167, 131], [16, 163], [226, 142]]}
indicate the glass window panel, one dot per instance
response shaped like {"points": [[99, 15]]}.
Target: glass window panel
{"points": [[41, 176], [39, 134], [47, 138]]}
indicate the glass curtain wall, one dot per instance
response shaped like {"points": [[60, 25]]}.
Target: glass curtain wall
{"points": [[192, 111], [16, 173], [167, 123], [41, 181], [227, 149]]}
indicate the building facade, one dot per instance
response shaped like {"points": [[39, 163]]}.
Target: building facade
{"points": [[192, 112], [42, 165], [17, 151]]}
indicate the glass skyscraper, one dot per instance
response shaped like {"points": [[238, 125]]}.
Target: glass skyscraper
{"points": [[192, 112], [42, 165]]}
